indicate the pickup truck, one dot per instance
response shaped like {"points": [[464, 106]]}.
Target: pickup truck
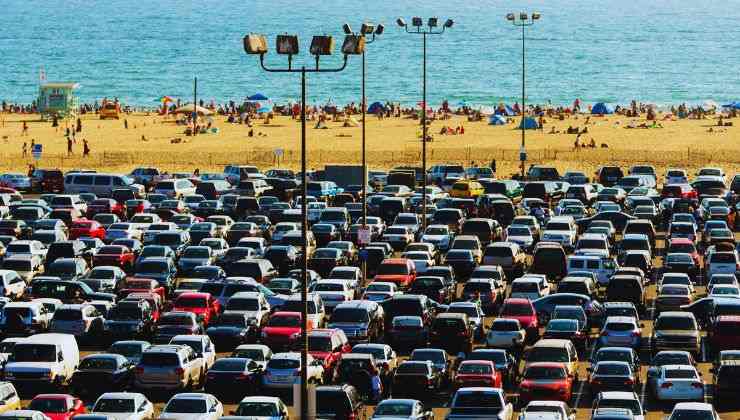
{"points": [[480, 402], [547, 410]]}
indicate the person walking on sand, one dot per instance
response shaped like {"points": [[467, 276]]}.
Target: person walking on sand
{"points": [[85, 148], [25, 149], [24, 132], [125, 123], [69, 146], [79, 125]]}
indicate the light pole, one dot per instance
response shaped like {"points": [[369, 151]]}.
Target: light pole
{"points": [[418, 23], [255, 44], [365, 30], [523, 20]]}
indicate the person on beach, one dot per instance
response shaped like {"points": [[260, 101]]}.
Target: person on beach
{"points": [[69, 146], [85, 148], [24, 131], [79, 125], [125, 123], [25, 149]]}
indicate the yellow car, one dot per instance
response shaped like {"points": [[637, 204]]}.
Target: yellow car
{"points": [[9, 396], [466, 189]]}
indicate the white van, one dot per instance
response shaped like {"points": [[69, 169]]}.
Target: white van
{"points": [[101, 185], [43, 359], [602, 267]]}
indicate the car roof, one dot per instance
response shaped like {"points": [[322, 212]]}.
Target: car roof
{"points": [[618, 395]]}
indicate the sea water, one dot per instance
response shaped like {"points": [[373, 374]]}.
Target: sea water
{"points": [[659, 51]]}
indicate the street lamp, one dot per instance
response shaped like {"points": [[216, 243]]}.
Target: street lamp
{"points": [[523, 20], [367, 29], [417, 24], [256, 44]]}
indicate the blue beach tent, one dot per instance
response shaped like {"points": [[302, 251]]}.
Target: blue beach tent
{"points": [[375, 107], [508, 111], [257, 97], [601, 109], [496, 120], [529, 124]]}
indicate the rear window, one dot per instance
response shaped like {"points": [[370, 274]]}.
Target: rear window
{"points": [[283, 364], [160, 359], [722, 258], [412, 368], [67, 315]]}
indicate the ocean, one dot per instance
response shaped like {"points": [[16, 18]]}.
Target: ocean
{"points": [[661, 51]]}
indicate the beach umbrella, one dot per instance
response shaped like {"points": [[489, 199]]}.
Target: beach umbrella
{"points": [[487, 110], [709, 104], [258, 97], [165, 99], [188, 109]]}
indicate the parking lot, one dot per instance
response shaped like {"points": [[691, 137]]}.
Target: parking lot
{"points": [[608, 237]]}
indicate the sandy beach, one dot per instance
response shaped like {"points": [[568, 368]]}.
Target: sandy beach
{"points": [[394, 141]]}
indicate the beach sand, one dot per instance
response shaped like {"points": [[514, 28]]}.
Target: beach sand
{"points": [[390, 142]]}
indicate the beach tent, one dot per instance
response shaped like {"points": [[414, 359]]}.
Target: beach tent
{"points": [[601, 109], [257, 97], [496, 120], [732, 105], [375, 107], [188, 109], [529, 124], [507, 110]]}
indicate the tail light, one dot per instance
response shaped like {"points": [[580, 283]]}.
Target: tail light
{"points": [[629, 382], [697, 385], [430, 382], [635, 334], [492, 295], [179, 371], [666, 385]]}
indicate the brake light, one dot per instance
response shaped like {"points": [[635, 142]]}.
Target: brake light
{"points": [[629, 382], [179, 371], [666, 385], [635, 333], [430, 382]]}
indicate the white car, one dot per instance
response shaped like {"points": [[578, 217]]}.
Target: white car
{"points": [[201, 345], [11, 284], [155, 228], [677, 382], [260, 353], [676, 176], [547, 410], [124, 406], [24, 414], [192, 406], [505, 333], [25, 247], [282, 228], [332, 292], [283, 371], [421, 259], [527, 289], [439, 236], [725, 291], [261, 408], [693, 410]]}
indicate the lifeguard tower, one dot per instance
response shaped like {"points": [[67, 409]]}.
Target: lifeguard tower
{"points": [[58, 98]]}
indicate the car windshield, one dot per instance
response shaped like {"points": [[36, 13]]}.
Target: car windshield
{"points": [[680, 374], [49, 405], [98, 363], [475, 369], [186, 405], [517, 310], [126, 350], [191, 302], [392, 269], [394, 409], [114, 405], [612, 369], [319, 343], [548, 354], [675, 323], [353, 315], [686, 414], [257, 409], [632, 405], [283, 364], [284, 321], [544, 372]]}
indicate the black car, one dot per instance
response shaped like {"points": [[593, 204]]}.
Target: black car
{"points": [[338, 402], [232, 329], [613, 376], [726, 383], [129, 319], [504, 362], [233, 378], [680, 263], [567, 329], [324, 260], [283, 257], [462, 261], [100, 373], [452, 332], [435, 288], [416, 379], [233, 255], [407, 332]]}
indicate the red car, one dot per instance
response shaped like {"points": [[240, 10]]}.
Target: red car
{"points": [[685, 191], [328, 345], [139, 285], [283, 329], [116, 255], [105, 205], [201, 304], [85, 227], [723, 333], [686, 246], [523, 311], [154, 300], [478, 373], [397, 270], [545, 381], [57, 406]]}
